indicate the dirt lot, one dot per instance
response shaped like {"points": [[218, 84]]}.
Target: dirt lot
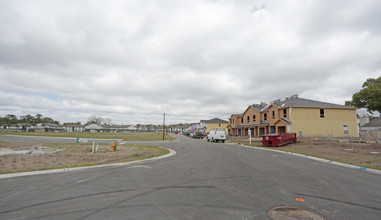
{"points": [[361, 154], [15, 157]]}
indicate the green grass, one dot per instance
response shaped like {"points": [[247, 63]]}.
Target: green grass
{"points": [[125, 136]]}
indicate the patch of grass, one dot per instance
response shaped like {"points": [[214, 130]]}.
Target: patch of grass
{"points": [[125, 136], [142, 152], [320, 156]]}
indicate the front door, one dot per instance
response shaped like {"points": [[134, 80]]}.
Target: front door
{"points": [[282, 129], [261, 131]]}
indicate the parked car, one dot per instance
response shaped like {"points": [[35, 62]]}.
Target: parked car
{"points": [[216, 135], [198, 135]]}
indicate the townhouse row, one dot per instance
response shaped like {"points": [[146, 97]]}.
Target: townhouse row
{"points": [[305, 117]]}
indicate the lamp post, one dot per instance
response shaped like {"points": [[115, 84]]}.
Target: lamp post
{"points": [[163, 125]]}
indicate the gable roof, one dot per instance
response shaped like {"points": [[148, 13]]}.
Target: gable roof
{"points": [[237, 115], [259, 107], [295, 101], [95, 126], [376, 122], [215, 120]]}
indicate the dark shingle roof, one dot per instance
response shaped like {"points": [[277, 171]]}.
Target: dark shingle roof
{"points": [[215, 120], [259, 107], [376, 122], [296, 101]]}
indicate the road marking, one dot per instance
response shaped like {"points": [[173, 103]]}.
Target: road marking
{"points": [[139, 166]]}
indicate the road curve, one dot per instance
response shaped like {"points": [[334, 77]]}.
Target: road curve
{"points": [[202, 181]]}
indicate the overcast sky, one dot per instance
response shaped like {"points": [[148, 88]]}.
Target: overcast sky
{"points": [[131, 61]]}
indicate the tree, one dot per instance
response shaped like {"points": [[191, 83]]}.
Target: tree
{"points": [[369, 96], [28, 119], [98, 120], [11, 119], [71, 123]]}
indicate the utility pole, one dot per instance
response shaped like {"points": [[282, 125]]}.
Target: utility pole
{"points": [[163, 125]]}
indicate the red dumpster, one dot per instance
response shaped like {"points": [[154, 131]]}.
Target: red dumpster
{"points": [[276, 140]]}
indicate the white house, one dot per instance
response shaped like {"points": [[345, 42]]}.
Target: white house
{"points": [[131, 128], [95, 127]]}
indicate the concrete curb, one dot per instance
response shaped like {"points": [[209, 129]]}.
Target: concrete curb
{"points": [[369, 170], [10, 175]]}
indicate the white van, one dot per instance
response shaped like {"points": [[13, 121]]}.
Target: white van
{"points": [[216, 135]]}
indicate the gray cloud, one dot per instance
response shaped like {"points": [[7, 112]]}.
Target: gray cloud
{"points": [[131, 61]]}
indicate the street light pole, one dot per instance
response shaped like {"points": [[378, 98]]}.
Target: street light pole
{"points": [[163, 125]]}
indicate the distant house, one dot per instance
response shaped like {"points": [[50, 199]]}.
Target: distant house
{"points": [[26, 127], [95, 127], [132, 128], [302, 116], [3, 127], [143, 129], [213, 124], [49, 127], [12, 127], [362, 120], [372, 129], [74, 128], [118, 128], [123, 128], [178, 129], [195, 127]]}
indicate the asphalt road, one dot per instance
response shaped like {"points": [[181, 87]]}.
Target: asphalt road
{"points": [[202, 181]]}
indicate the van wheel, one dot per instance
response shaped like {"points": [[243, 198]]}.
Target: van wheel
{"points": [[223, 141]]}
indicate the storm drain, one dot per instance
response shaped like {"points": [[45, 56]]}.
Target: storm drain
{"points": [[293, 213]]}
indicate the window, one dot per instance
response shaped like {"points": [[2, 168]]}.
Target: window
{"points": [[248, 118], [322, 113], [253, 117], [241, 120], [284, 113], [233, 120], [265, 116], [273, 114], [345, 129]]}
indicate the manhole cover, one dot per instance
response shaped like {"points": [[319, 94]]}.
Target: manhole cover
{"points": [[292, 213]]}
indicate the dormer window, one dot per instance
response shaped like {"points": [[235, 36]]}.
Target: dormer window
{"points": [[284, 113]]}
